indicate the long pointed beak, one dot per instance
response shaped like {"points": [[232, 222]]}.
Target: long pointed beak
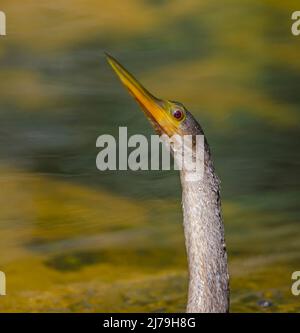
{"points": [[153, 107]]}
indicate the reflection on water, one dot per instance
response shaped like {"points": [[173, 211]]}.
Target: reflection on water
{"points": [[75, 239]]}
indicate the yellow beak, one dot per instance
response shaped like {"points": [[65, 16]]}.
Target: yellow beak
{"points": [[155, 109]]}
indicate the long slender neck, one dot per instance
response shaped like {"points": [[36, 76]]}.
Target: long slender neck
{"points": [[205, 243]]}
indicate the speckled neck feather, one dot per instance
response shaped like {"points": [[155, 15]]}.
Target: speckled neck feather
{"points": [[205, 243]]}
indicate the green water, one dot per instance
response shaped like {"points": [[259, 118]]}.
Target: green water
{"points": [[77, 239]]}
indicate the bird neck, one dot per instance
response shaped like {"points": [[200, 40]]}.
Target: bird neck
{"points": [[205, 242]]}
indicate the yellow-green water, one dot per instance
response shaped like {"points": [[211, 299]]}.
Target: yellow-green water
{"points": [[77, 239]]}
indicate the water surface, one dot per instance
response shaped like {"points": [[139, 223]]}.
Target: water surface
{"points": [[78, 240]]}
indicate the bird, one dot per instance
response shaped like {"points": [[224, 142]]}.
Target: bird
{"points": [[208, 285]]}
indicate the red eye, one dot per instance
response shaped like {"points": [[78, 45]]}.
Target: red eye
{"points": [[178, 114]]}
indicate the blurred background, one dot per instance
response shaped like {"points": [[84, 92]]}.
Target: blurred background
{"points": [[75, 239]]}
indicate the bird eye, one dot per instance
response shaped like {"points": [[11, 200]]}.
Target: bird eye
{"points": [[178, 114]]}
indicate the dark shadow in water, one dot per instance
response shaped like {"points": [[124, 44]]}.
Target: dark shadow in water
{"points": [[142, 258]]}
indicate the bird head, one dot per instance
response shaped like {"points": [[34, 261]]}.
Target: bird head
{"points": [[167, 117]]}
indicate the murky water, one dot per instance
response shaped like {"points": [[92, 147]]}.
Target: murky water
{"points": [[76, 239]]}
